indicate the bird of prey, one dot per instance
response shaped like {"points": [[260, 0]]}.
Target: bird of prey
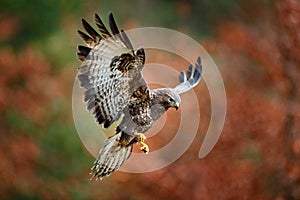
{"points": [[115, 90]]}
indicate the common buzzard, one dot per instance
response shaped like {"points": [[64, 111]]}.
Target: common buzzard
{"points": [[115, 89]]}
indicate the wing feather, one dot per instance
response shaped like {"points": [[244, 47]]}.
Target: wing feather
{"points": [[113, 24], [84, 50], [90, 30], [110, 73], [101, 27], [126, 40], [88, 40], [116, 32], [190, 79]]}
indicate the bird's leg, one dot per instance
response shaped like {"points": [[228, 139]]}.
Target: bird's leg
{"points": [[144, 147]]}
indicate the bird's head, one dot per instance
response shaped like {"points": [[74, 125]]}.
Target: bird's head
{"points": [[168, 98]]}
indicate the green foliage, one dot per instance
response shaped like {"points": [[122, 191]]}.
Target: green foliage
{"points": [[18, 122], [24, 196], [62, 153], [55, 164], [37, 19]]}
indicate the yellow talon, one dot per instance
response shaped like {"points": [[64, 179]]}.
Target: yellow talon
{"points": [[144, 147]]}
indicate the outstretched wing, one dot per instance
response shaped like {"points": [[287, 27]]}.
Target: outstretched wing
{"points": [[110, 72], [190, 79]]}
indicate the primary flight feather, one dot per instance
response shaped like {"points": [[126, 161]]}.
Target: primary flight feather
{"points": [[115, 89]]}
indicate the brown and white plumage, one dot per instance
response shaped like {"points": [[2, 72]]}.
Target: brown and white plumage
{"points": [[115, 89]]}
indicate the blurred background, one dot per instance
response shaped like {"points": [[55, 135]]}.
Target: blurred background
{"points": [[256, 45]]}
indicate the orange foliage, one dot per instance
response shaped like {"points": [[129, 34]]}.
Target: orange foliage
{"points": [[26, 84], [18, 155], [257, 156], [8, 27], [27, 89]]}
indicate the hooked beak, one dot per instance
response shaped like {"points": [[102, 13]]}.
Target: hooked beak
{"points": [[176, 106]]}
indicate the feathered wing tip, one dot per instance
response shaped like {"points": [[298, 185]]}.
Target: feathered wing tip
{"points": [[93, 37], [191, 78], [111, 157], [83, 52], [193, 74], [141, 55], [119, 34], [101, 27], [91, 31]]}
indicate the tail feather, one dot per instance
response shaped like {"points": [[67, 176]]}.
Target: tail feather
{"points": [[111, 157]]}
